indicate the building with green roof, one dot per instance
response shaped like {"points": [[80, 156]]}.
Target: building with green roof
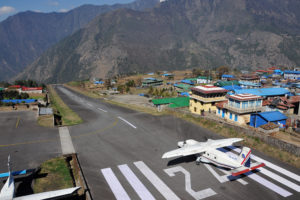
{"points": [[176, 102]]}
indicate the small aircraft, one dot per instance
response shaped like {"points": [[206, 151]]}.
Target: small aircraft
{"points": [[207, 152], [8, 190]]}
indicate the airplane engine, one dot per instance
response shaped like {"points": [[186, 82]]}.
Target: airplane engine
{"points": [[186, 142]]}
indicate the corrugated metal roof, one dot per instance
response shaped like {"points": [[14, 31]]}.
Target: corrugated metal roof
{"points": [[272, 116], [227, 76], [291, 72], [19, 100], [174, 102], [264, 91], [248, 83], [232, 87], [224, 83]]}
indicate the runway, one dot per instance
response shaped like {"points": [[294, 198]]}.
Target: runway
{"points": [[120, 153]]}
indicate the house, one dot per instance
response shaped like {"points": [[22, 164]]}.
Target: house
{"points": [[182, 87], [176, 102], [259, 119], [169, 76], [204, 98], [250, 78], [98, 82], [287, 74], [187, 81], [226, 77], [203, 79], [264, 92], [224, 83], [147, 82], [283, 104], [248, 84], [232, 87], [239, 107], [37, 90]]}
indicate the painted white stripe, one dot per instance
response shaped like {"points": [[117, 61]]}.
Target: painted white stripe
{"points": [[89, 104], [265, 182], [225, 178], [114, 184], [156, 181], [270, 185], [66, 141], [101, 109], [124, 120], [271, 165], [137, 185]]}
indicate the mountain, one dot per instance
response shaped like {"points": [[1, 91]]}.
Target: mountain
{"points": [[177, 34], [25, 36]]}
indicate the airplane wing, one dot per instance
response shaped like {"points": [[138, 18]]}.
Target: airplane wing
{"points": [[49, 195], [201, 147], [222, 142], [185, 151]]}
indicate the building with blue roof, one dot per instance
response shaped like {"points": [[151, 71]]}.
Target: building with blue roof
{"points": [[185, 81], [98, 82], [248, 84], [232, 87], [226, 77], [288, 74], [264, 92], [19, 101], [276, 117]]}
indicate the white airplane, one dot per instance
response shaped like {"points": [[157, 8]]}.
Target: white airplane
{"points": [[8, 191], [207, 152]]}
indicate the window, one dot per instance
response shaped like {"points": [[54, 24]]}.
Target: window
{"points": [[230, 115], [219, 111], [195, 109], [195, 101], [236, 117]]}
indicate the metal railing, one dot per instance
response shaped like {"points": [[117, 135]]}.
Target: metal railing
{"points": [[243, 110]]}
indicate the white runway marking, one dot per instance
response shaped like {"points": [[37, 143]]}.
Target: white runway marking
{"points": [[224, 178], [66, 141], [156, 181], [137, 185], [114, 184], [101, 109], [202, 194], [89, 104], [270, 185], [265, 182], [124, 120], [272, 166]]}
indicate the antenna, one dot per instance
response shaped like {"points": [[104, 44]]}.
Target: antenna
{"points": [[8, 163]]}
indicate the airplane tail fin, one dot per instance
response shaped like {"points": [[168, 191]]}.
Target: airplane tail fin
{"points": [[244, 156]]}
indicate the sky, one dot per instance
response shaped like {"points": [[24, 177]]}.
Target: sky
{"points": [[12, 7]]}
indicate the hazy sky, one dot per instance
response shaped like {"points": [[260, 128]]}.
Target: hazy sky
{"points": [[11, 7]]}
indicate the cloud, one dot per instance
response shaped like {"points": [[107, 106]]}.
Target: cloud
{"points": [[63, 10], [6, 10], [53, 3]]}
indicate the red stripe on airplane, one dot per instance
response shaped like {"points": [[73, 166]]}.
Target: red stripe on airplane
{"points": [[246, 157]]}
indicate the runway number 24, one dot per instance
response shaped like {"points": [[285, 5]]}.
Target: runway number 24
{"points": [[202, 194]]}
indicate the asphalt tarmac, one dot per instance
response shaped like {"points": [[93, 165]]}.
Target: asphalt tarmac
{"points": [[120, 153], [27, 143]]}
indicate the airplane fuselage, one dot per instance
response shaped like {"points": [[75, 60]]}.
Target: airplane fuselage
{"points": [[219, 158]]}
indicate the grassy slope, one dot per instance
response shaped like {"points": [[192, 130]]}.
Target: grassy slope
{"points": [[58, 176], [69, 117]]}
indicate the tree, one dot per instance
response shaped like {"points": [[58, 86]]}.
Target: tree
{"points": [[197, 72], [222, 70], [107, 84], [150, 91], [139, 82]]}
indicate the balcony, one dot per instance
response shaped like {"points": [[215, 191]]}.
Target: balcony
{"points": [[243, 110], [207, 100]]}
